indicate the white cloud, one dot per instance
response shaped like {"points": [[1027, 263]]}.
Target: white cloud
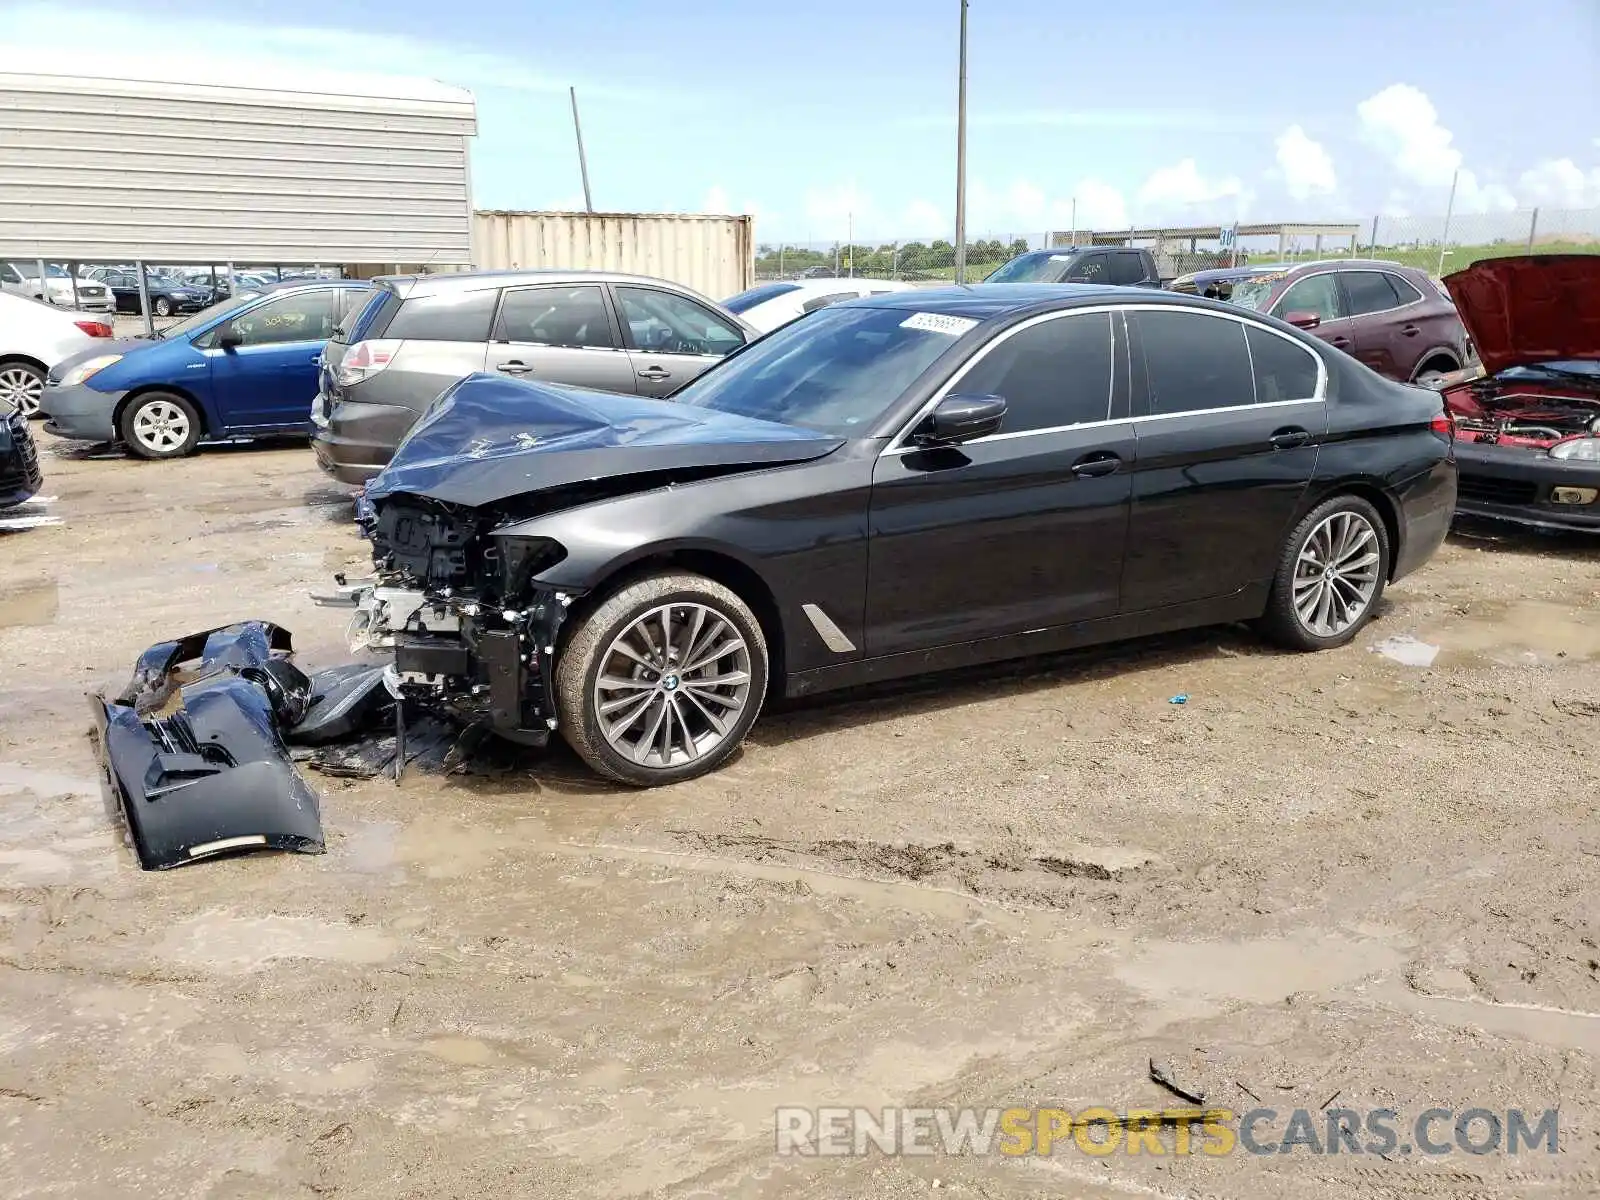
{"points": [[1180, 190], [1307, 169], [125, 42], [925, 219], [1560, 182], [1402, 123], [716, 200]]}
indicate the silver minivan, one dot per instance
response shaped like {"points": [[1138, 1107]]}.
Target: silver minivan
{"points": [[422, 333]]}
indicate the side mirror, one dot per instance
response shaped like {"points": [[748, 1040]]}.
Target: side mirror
{"points": [[959, 419], [1302, 320], [229, 337]]}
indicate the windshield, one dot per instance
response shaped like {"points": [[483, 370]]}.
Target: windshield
{"points": [[836, 371], [1253, 292], [206, 315], [760, 294], [1038, 267]]}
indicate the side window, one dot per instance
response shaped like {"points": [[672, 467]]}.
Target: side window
{"points": [[445, 317], [8, 274], [572, 317], [1125, 268], [1057, 372], [302, 317], [1195, 361], [1283, 370], [1086, 268], [1404, 290], [1315, 294], [668, 323], [1369, 292], [351, 302], [817, 302]]}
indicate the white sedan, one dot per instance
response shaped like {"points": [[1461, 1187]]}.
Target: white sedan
{"points": [[769, 305], [22, 279], [33, 338]]}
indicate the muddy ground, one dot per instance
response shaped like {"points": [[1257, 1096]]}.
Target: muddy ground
{"points": [[1324, 881]]}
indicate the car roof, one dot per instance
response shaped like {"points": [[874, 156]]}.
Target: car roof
{"points": [[825, 286], [985, 300], [446, 279], [289, 285]]}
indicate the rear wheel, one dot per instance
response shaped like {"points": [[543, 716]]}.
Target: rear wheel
{"points": [[21, 387], [160, 425], [1432, 373], [1330, 576], [662, 681]]}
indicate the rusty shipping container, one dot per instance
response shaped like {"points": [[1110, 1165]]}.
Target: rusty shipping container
{"points": [[714, 255]]}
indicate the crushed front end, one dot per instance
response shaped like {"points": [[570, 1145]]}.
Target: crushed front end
{"points": [[474, 635], [1528, 448]]}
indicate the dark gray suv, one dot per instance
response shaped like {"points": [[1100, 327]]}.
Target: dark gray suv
{"points": [[422, 333]]}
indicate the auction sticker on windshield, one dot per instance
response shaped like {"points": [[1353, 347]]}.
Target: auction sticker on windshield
{"points": [[938, 323]]}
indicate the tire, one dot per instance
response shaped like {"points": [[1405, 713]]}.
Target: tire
{"points": [[163, 306], [1433, 376], [674, 711], [1359, 584], [21, 386], [160, 425]]}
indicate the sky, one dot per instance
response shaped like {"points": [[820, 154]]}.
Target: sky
{"points": [[837, 117]]}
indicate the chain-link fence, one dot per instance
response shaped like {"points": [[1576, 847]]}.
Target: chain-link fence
{"points": [[1435, 243]]}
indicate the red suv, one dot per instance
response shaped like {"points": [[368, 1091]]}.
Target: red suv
{"points": [[1395, 319]]}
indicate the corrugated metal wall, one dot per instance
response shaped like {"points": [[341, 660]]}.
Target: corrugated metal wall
{"points": [[119, 170], [713, 255]]}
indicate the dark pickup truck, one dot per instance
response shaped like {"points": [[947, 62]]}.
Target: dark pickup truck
{"points": [[1126, 265]]}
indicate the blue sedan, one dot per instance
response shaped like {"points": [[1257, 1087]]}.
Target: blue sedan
{"points": [[245, 367]]}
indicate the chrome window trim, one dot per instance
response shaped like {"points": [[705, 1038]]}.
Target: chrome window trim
{"points": [[897, 444]]}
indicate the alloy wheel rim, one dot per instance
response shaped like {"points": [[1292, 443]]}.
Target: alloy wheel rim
{"points": [[672, 685], [20, 390], [1336, 574], [161, 426]]}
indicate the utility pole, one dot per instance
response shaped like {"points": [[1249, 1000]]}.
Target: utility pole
{"points": [[583, 163], [1449, 210], [961, 156]]}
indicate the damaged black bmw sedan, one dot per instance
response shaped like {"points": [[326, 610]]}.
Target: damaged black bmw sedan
{"points": [[902, 484]]}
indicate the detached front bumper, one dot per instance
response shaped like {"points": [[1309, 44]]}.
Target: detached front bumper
{"points": [[1511, 483], [20, 474], [79, 411]]}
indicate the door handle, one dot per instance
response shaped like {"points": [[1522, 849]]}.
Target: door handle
{"points": [[1101, 462], [1340, 342], [655, 374], [1410, 330], [514, 367], [1289, 437]]}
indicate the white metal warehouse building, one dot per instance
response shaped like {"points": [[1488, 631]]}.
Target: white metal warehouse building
{"points": [[288, 168]]}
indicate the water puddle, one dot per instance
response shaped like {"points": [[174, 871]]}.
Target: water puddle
{"points": [[34, 602], [231, 945], [1535, 1023], [1259, 971], [1407, 651], [1545, 631]]}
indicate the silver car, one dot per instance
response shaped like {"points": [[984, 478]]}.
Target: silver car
{"points": [[421, 333]]}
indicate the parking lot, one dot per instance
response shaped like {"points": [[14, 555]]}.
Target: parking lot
{"points": [[1326, 880]]}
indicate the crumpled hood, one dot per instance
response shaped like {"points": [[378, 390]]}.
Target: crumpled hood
{"points": [[1530, 308], [489, 438], [101, 346]]}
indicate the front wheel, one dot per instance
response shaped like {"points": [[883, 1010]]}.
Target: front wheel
{"points": [[1330, 576], [160, 425], [21, 386], [662, 681], [163, 306]]}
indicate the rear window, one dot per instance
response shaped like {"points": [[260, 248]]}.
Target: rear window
{"points": [[759, 294], [445, 317], [1038, 267], [372, 319]]}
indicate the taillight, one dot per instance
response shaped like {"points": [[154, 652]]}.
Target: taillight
{"points": [[94, 328], [366, 359], [1445, 426]]}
